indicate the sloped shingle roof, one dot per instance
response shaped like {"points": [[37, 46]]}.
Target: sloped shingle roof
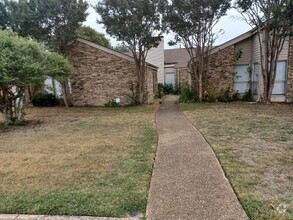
{"points": [[179, 57]]}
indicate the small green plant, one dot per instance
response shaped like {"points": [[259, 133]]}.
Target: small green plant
{"points": [[133, 96], [112, 103], [168, 89], [226, 95], [238, 55], [248, 97], [44, 100], [160, 92], [236, 96], [187, 95]]}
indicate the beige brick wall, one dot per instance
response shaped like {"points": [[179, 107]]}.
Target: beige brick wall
{"points": [[151, 83], [100, 76], [183, 76], [221, 68], [289, 86]]}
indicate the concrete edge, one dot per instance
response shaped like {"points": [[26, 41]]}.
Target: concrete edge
{"points": [[60, 217], [155, 156]]}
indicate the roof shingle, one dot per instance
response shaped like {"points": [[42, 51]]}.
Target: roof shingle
{"points": [[179, 57]]}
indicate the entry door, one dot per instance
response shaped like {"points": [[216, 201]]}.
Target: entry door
{"points": [[170, 79]]}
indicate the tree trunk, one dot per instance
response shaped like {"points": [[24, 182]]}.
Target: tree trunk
{"points": [[200, 90], [66, 93], [142, 84], [7, 115]]}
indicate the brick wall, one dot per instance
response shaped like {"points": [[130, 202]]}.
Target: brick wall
{"points": [[151, 83], [183, 76], [289, 86], [221, 68], [100, 76]]}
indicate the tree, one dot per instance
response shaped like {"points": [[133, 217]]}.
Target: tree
{"points": [[121, 48], [91, 34], [52, 22], [24, 62], [138, 24], [273, 21], [193, 23], [3, 15]]}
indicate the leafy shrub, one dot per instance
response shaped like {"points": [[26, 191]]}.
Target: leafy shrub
{"points": [[226, 95], [248, 97], [160, 92], [168, 89], [45, 99], [210, 98], [236, 96], [112, 103], [187, 95], [133, 96]]}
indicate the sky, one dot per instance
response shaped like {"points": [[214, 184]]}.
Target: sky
{"points": [[231, 24]]}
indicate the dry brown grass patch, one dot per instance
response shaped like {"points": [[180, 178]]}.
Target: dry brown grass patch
{"points": [[255, 146], [71, 148]]}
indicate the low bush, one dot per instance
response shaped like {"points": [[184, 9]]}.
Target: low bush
{"points": [[112, 103], [226, 95], [187, 95], [248, 97], [160, 92], [168, 89], [44, 100]]}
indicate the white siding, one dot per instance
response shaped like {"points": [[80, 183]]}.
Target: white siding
{"points": [[255, 49], [256, 65], [285, 51], [156, 57], [246, 48]]}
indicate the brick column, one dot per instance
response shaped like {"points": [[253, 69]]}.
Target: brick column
{"points": [[289, 86]]}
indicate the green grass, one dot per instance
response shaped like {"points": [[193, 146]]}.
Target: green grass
{"points": [[81, 161], [254, 144]]}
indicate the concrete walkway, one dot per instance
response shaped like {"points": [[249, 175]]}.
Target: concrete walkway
{"points": [[188, 181]]}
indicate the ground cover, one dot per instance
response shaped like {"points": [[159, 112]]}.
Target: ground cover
{"points": [[254, 144], [78, 161]]}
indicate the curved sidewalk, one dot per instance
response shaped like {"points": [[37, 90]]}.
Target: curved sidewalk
{"points": [[188, 181]]}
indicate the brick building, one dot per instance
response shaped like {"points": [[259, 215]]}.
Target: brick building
{"points": [[236, 64], [101, 74]]}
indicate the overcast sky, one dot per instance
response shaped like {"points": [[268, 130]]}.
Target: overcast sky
{"points": [[231, 24]]}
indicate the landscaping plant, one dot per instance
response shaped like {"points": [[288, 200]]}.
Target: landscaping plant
{"points": [[24, 62]]}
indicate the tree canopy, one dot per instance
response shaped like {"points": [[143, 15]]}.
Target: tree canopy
{"points": [[24, 62], [91, 34], [53, 22], [121, 48], [193, 23], [138, 24]]}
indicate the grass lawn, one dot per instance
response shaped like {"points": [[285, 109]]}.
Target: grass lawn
{"points": [[78, 161], [254, 144]]}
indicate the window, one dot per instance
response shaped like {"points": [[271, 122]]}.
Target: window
{"points": [[241, 78], [255, 78], [170, 78], [280, 81]]}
